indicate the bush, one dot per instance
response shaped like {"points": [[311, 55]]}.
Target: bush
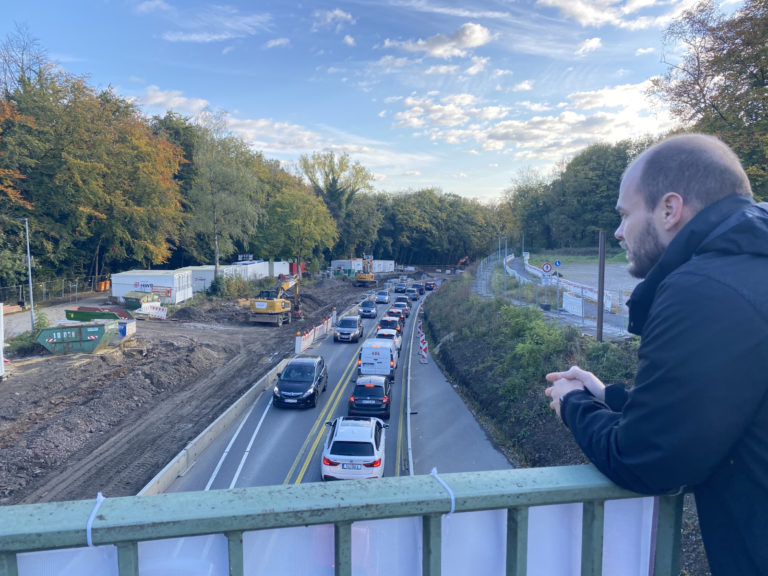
{"points": [[230, 287]]}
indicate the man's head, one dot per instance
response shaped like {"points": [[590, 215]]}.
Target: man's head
{"points": [[666, 186]]}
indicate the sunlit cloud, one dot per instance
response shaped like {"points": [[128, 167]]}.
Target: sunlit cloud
{"points": [[152, 6], [469, 36], [277, 43], [523, 86], [217, 23], [171, 100], [336, 19], [348, 40], [478, 65], [642, 51], [441, 69], [588, 46]]}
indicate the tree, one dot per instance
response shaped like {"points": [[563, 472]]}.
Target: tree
{"points": [[226, 192], [300, 223], [720, 85], [335, 180], [21, 58]]}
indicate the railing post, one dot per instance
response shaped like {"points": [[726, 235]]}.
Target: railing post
{"points": [[342, 544], [8, 565], [128, 559], [592, 524], [431, 544], [235, 550], [517, 541], [666, 558]]}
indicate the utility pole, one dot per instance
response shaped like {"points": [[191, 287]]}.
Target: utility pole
{"points": [[29, 274]]}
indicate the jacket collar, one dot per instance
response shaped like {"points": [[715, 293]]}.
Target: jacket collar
{"points": [[678, 252]]}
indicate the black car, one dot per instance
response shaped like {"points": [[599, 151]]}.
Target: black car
{"points": [[429, 285], [419, 286], [397, 312], [368, 309], [371, 397], [300, 382], [400, 287]]}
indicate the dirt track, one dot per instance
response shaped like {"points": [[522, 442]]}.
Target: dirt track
{"points": [[75, 425]]}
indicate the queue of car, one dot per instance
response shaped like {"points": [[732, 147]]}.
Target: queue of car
{"points": [[355, 444]]}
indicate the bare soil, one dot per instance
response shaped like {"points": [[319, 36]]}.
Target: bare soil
{"points": [[74, 425]]}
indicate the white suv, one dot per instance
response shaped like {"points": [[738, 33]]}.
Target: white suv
{"points": [[354, 448]]}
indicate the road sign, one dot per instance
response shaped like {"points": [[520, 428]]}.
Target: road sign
{"points": [[546, 267], [557, 262]]}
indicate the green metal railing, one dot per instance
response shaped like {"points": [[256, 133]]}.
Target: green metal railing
{"points": [[126, 521]]}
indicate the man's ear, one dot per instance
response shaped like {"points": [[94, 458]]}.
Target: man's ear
{"points": [[672, 211]]}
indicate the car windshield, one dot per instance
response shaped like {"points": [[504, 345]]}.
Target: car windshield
{"points": [[368, 391], [389, 324], [298, 372], [348, 323], [401, 305], [344, 448], [368, 304], [385, 336], [382, 293]]}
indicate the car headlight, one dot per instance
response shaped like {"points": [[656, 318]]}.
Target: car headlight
{"points": [[276, 391], [309, 392]]}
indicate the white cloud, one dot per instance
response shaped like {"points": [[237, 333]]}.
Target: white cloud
{"points": [[348, 40], [596, 13], [460, 176], [413, 173], [523, 86], [535, 106], [227, 50], [218, 23], [493, 165], [390, 63], [171, 99], [277, 42], [588, 46], [332, 19], [383, 114], [445, 69], [152, 6], [478, 65], [641, 51], [469, 36]]}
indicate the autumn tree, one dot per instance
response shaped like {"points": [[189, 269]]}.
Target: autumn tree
{"points": [[720, 85]]}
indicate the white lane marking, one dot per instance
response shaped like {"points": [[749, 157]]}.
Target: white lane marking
{"points": [[248, 449], [229, 446]]}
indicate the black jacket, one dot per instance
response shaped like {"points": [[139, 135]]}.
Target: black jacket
{"points": [[697, 415]]}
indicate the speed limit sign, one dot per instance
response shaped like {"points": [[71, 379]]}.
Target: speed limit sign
{"points": [[546, 267]]}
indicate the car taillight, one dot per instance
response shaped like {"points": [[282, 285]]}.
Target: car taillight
{"points": [[374, 464], [391, 363], [327, 462], [385, 400], [359, 362], [351, 399]]}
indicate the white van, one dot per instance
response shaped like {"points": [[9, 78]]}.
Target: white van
{"points": [[377, 356]]}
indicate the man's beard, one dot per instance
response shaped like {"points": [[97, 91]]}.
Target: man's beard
{"points": [[645, 251]]}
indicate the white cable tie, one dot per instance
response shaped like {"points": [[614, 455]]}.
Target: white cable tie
{"points": [[450, 492], [99, 500]]}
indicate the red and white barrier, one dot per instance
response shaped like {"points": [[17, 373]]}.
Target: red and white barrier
{"points": [[423, 346], [305, 339]]}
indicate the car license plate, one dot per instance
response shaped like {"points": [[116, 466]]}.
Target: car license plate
{"points": [[290, 400], [369, 402], [351, 467]]}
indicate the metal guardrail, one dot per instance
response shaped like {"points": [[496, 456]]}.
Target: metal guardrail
{"points": [[126, 521]]}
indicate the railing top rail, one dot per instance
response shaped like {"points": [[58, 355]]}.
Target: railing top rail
{"points": [[136, 518]]}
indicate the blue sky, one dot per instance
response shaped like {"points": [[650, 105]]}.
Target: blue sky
{"points": [[464, 96]]}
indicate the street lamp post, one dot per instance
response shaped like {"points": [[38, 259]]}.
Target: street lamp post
{"points": [[29, 274]]}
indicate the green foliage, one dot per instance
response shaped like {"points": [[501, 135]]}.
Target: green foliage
{"points": [[499, 355], [230, 287]]}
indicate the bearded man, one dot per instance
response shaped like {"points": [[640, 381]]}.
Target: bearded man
{"points": [[696, 417]]}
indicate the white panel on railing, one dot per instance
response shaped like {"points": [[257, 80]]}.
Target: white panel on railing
{"points": [[190, 556], [385, 547], [289, 551], [101, 560], [475, 543]]}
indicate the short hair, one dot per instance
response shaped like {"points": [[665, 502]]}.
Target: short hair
{"points": [[700, 168]]}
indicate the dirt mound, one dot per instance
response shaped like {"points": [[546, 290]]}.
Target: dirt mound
{"points": [[74, 425]]}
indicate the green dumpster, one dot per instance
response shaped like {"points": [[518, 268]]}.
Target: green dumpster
{"points": [[72, 337], [134, 300], [87, 314]]}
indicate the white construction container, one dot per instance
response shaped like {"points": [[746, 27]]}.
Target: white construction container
{"points": [[251, 269], [383, 266], [277, 268], [171, 286], [202, 276]]}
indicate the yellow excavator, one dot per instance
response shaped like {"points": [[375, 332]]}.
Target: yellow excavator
{"points": [[278, 305], [366, 277]]}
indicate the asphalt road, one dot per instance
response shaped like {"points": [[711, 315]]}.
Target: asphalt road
{"points": [[271, 446]]}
